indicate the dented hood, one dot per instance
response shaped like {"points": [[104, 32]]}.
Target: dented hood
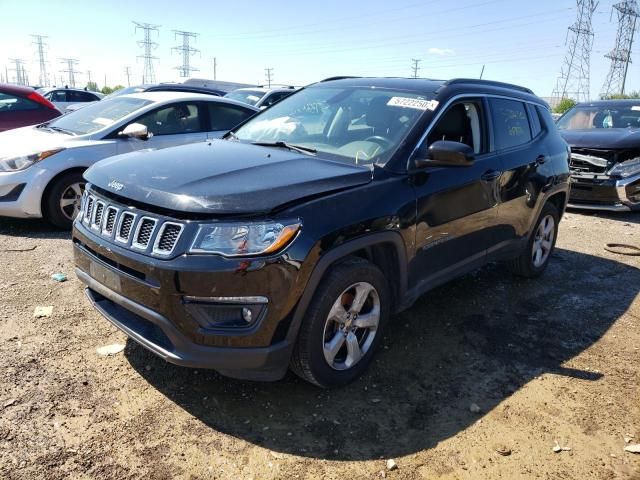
{"points": [[222, 177], [605, 138]]}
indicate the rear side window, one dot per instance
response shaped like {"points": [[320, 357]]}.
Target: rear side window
{"points": [[275, 97], [536, 126], [510, 123], [81, 97], [12, 103], [225, 117], [57, 96], [548, 122]]}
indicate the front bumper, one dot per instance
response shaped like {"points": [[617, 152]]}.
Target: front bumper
{"points": [[21, 192], [601, 192], [148, 300]]}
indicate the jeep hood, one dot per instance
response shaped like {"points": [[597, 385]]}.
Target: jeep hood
{"points": [[605, 138], [222, 177]]}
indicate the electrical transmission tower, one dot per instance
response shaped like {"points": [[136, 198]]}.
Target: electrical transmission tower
{"points": [[186, 50], [269, 76], [620, 56], [415, 67], [70, 71], [148, 75], [44, 76], [19, 69], [574, 81]]}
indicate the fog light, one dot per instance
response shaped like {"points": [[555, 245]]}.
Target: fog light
{"points": [[247, 315], [213, 313]]}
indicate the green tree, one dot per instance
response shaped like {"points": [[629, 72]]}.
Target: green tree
{"points": [[106, 90], [622, 96], [564, 105], [92, 86]]}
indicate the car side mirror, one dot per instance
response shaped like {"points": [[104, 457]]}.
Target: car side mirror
{"points": [[136, 130], [444, 153]]}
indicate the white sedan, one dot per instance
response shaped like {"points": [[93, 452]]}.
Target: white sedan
{"points": [[41, 167]]}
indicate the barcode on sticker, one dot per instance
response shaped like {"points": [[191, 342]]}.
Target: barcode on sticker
{"points": [[407, 102], [636, 108]]}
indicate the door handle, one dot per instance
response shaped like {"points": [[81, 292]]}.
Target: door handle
{"points": [[490, 175], [540, 159]]}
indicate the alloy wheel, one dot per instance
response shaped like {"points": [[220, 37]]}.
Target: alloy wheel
{"points": [[543, 241], [70, 200]]}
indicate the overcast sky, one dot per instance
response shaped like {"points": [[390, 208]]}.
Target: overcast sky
{"points": [[518, 41]]}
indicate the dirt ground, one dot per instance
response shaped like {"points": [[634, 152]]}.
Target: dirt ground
{"points": [[551, 361]]}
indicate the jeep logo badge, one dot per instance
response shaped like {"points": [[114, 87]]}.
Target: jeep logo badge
{"points": [[117, 186]]}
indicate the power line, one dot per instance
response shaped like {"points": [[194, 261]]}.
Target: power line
{"points": [[70, 71], [416, 66], [148, 75], [574, 79], [187, 51], [620, 56], [269, 76], [20, 77], [44, 76]]}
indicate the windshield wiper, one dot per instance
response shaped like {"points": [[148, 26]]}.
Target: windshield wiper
{"points": [[61, 130], [290, 146], [230, 135]]}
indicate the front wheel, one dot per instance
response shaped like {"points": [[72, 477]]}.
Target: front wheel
{"points": [[343, 325], [61, 204], [535, 258]]}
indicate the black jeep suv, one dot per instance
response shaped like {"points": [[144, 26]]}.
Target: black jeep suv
{"points": [[293, 240]]}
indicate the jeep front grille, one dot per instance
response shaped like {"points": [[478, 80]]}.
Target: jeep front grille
{"points": [[146, 233]]}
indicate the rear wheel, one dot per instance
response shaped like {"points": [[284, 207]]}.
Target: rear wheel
{"points": [[62, 202], [343, 325], [535, 258]]}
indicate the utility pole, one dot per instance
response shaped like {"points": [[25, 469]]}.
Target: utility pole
{"points": [[44, 77], [415, 67], [620, 56], [88, 77], [215, 68], [70, 71], [127, 72], [19, 69], [482, 72], [574, 78], [187, 51], [149, 75], [269, 76]]}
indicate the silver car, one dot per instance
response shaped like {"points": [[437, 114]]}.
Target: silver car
{"points": [[63, 97], [41, 167]]}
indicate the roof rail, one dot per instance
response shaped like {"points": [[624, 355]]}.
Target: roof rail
{"points": [[491, 83], [339, 77]]}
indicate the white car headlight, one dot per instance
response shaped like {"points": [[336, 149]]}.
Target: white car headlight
{"points": [[244, 239], [14, 164], [626, 169]]}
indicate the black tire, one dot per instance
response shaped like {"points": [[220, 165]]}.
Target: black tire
{"points": [[524, 265], [308, 360], [52, 210]]}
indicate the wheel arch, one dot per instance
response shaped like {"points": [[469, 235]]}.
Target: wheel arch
{"points": [[559, 200], [386, 250], [47, 189]]}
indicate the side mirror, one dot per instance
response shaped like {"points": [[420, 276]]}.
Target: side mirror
{"points": [[136, 130], [444, 153]]}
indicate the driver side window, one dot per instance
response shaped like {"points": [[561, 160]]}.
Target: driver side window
{"points": [[463, 122], [172, 120]]}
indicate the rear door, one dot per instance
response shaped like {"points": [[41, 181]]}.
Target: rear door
{"points": [[520, 141], [18, 111], [222, 117], [170, 125], [457, 207]]}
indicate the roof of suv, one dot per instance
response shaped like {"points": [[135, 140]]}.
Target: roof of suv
{"points": [[425, 85]]}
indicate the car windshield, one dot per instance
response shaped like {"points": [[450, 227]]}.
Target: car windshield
{"points": [[98, 115], [601, 116], [246, 96], [125, 91], [358, 125]]}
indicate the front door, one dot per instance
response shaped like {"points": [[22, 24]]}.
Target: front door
{"points": [[457, 207]]}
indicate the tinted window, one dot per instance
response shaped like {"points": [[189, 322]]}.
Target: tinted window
{"points": [[247, 96], [11, 103], [57, 96], [225, 117], [275, 97], [536, 127], [80, 97], [172, 120], [462, 122], [546, 118], [510, 124]]}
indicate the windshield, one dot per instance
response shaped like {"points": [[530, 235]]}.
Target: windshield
{"points": [[98, 115], [246, 96], [601, 116], [125, 91], [359, 125]]}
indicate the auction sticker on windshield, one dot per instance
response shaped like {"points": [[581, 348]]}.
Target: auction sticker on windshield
{"points": [[636, 108], [102, 121], [408, 102]]}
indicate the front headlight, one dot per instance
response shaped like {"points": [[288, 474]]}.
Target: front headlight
{"points": [[14, 164], [626, 169], [244, 239]]}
